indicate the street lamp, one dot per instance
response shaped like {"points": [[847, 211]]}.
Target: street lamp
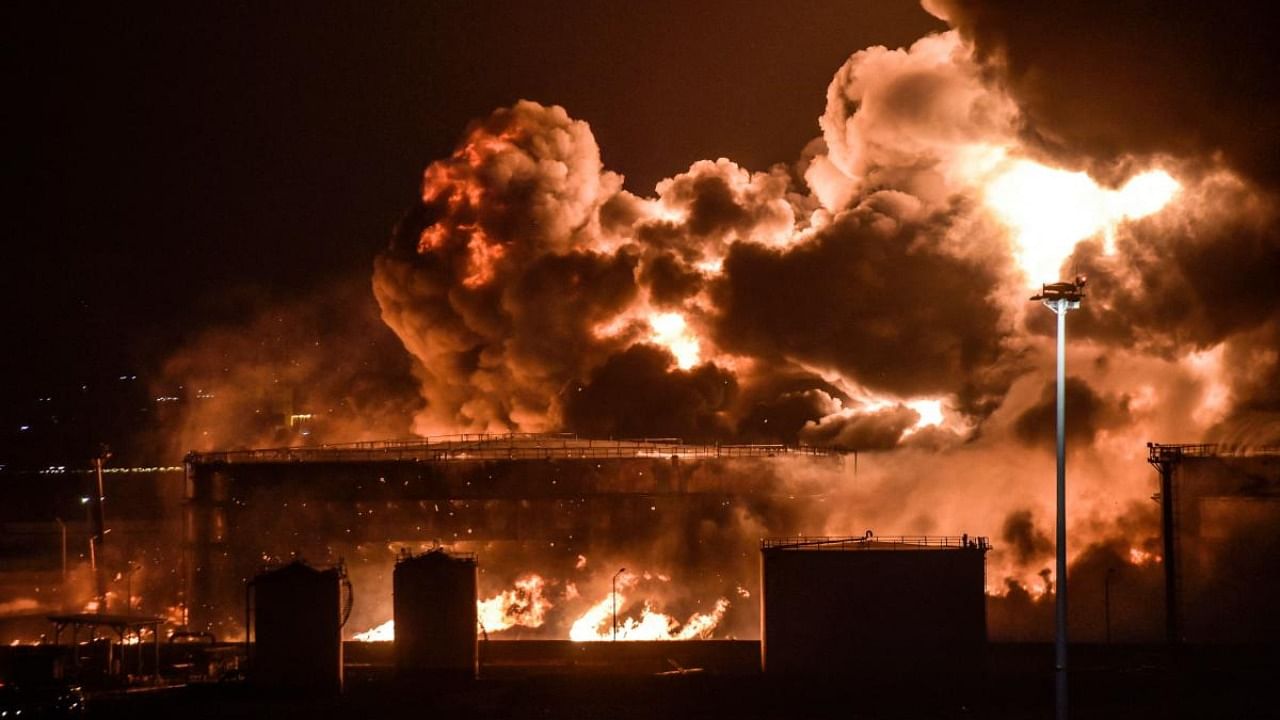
{"points": [[615, 602], [1061, 298]]}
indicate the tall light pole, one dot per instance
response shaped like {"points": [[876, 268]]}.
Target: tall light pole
{"points": [[1061, 298], [615, 602]]}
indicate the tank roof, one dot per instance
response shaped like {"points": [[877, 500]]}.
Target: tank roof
{"points": [[292, 569], [878, 542], [436, 555]]}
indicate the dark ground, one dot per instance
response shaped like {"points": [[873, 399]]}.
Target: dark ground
{"points": [[1108, 682]]}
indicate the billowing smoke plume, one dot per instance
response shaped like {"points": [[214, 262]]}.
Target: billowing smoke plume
{"points": [[873, 295], [1112, 86], [537, 294], [1107, 83]]}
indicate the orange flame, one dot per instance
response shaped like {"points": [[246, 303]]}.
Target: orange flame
{"points": [[386, 632], [596, 624], [481, 259], [524, 606], [1050, 210], [671, 331]]}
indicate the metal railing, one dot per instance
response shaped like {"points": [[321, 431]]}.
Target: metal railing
{"points": [[512, 446], [875, 542], [1158, 453], [407, 555]]}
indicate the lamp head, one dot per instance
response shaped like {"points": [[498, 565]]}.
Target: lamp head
{"points": [[1070, 291]]}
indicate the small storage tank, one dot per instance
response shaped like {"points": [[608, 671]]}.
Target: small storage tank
{"points": [[435, 613], [874, 607], [297, 629]]}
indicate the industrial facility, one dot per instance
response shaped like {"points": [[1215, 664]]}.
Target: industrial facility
{"points": [[878, 616], [246, 508]]}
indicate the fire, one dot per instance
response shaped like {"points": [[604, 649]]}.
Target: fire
{"points": [[1141, 557], [1050, 210], [930, 411], [176, 614], [482, 257], [525, 606], [385, 632], [596, 624], [671, 331]]}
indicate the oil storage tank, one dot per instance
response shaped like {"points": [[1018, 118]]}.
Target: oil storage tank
{"points": [[296, 620], [873, 607], [434, 606]]}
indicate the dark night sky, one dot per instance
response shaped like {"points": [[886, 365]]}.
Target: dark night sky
{"points": [[188, 165]]}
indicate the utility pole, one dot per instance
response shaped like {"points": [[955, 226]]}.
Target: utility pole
{"points": [[1061, 298]]}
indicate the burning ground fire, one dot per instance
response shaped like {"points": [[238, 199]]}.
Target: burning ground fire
{"points": [[527, 605], [596, 623]]}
